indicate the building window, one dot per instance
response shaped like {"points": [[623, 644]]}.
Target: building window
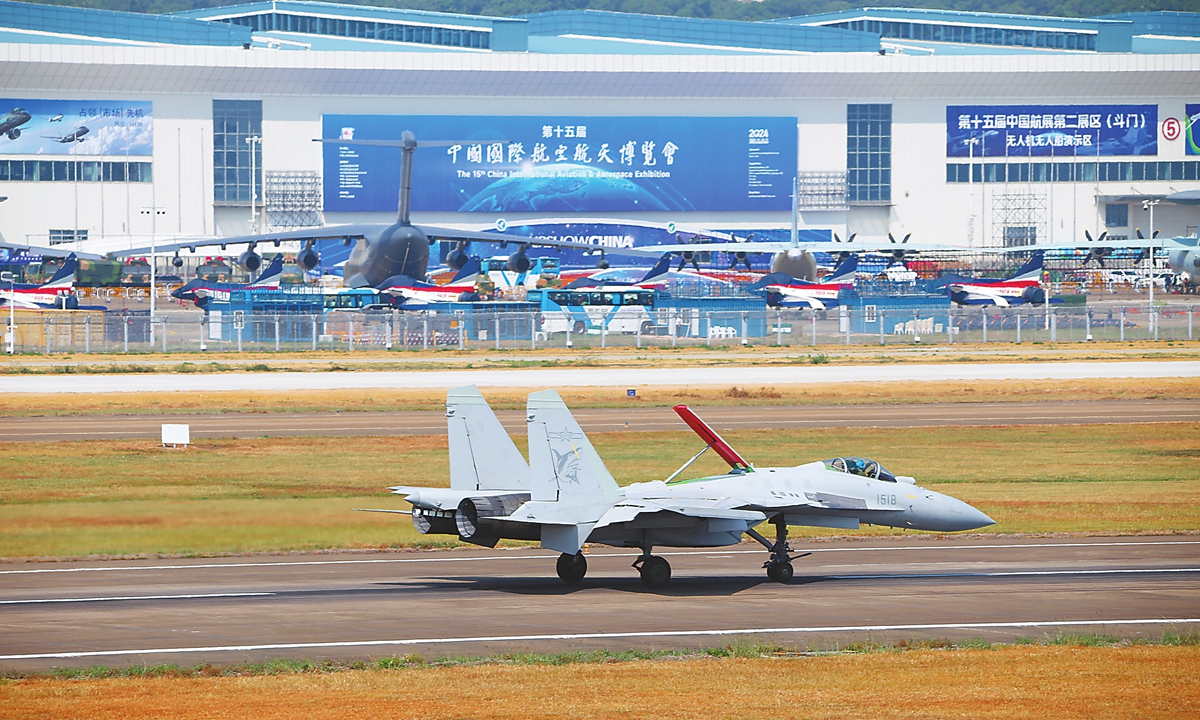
{"points": [[869, 154], [66, 237], [234, 121], [1072, 172], [70, 171], [1116, 215]]}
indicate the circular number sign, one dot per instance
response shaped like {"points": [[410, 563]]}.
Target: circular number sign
{"points": [[1170, 129]]}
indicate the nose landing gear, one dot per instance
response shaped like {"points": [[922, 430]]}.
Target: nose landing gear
{"points": [[779, 567], [572, 568]]}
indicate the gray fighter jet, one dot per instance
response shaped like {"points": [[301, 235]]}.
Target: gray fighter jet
{"points": [[566, 497]]}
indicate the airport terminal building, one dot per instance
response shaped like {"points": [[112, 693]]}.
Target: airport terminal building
{"points": [[960, 128]]}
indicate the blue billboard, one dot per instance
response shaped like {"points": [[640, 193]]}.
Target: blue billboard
{"points": [[1191, 127], [1051, 130], [528, 164], [76, 127]]}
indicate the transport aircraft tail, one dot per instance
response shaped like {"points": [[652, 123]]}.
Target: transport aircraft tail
{"points": [[482, 455]]}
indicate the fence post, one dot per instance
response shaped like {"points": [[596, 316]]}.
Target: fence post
{"points": [[1088, 325], [847, 307], [879, 315], [87, 332], [779, 327], [570, 321], [1190, 308], [276, 333], [533, 323], [674, 328], [1122, 324], [1053, 326], [745, 340], [203, 331], [814, 327], [314, 332], [462, 321], [639, 335], [125, 329], [391, 330], [1018, 327], [47, 335], [950, 326], [240, 337], [497, 319], [604, 334], [983, 310], [1154, 318], [164, 333], [350, 335]]}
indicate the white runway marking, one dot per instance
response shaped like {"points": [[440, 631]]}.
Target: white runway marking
{"points": [[597, 377], [1013, 573], [610, 636], [39, 601], [307, 563]]}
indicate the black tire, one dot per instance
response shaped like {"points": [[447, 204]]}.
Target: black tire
{"points": [[656, 573], [571, 568], [784, 573], [647, 327], [578, 328]]}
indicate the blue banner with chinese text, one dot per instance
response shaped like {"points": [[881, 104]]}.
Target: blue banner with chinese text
{"points": [[1051, 130]]}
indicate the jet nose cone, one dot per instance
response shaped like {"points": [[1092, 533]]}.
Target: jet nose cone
{"points": [[964, 517]]}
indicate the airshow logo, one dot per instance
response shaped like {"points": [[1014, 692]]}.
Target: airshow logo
{"points": [[1191, 124], [567, 462]]}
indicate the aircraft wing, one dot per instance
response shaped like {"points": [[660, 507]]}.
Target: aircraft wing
{"points": [[629, 510], [49, 251], [1160, 242], [331, 232], [858, 246]]}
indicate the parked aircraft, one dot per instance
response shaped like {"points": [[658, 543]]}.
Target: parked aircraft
{"points": [[12, 123], [415, 294], [786, 292], [381, 251], [58, 293], [74, 136], [1023, 287], [201, 291], [656, 275], [566, 497]]}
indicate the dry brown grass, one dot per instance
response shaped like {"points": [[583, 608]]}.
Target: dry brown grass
{"points": [[1006, 682], [876, 393]]}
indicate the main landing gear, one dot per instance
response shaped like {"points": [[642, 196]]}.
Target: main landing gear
{"points": [[779, 567], [656, 571], [572, 568]]}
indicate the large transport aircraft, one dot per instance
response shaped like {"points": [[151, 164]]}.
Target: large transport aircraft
{"points": [[201, 291], [1023, 287], [416, 294], [566, 497], [784, 291], [58, 292]]}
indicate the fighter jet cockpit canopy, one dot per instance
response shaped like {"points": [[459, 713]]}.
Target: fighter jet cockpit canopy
{"points": [[861, 466]]}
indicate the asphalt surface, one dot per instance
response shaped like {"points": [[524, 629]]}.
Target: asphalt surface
{"points": [[482, 602], [429, 422], [717, 375]]}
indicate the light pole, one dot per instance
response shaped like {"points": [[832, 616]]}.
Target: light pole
{"points": [[252, 141], [153, 211], [1149, 204]]}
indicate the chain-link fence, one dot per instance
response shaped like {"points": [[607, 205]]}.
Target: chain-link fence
{"points": [[137, 332]]}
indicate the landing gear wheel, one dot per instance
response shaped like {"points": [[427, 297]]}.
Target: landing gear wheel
{"points": [[656, 572], [780, 572], [572, 568], [578, 328]]}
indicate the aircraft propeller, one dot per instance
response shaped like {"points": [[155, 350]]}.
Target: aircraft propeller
{"points": [[1096, 253], [898, 255], [742, 257], [687, 256]]}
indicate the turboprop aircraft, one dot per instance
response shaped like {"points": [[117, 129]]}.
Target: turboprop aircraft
{"points": [[1023, 287], [201, 291], [416, 294], [58, 292], [566, 497], [786, 292]]}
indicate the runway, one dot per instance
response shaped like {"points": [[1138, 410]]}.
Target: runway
{"points": [[482, 602], [244, 425], [596, 377]]}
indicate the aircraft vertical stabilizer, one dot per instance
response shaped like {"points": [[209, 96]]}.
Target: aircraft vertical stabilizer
{"points": [[1032, 270], [65, 277], [571, 488], [482, 455]]}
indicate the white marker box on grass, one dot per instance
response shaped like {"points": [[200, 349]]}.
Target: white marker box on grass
{"points": [[175, 435]]}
